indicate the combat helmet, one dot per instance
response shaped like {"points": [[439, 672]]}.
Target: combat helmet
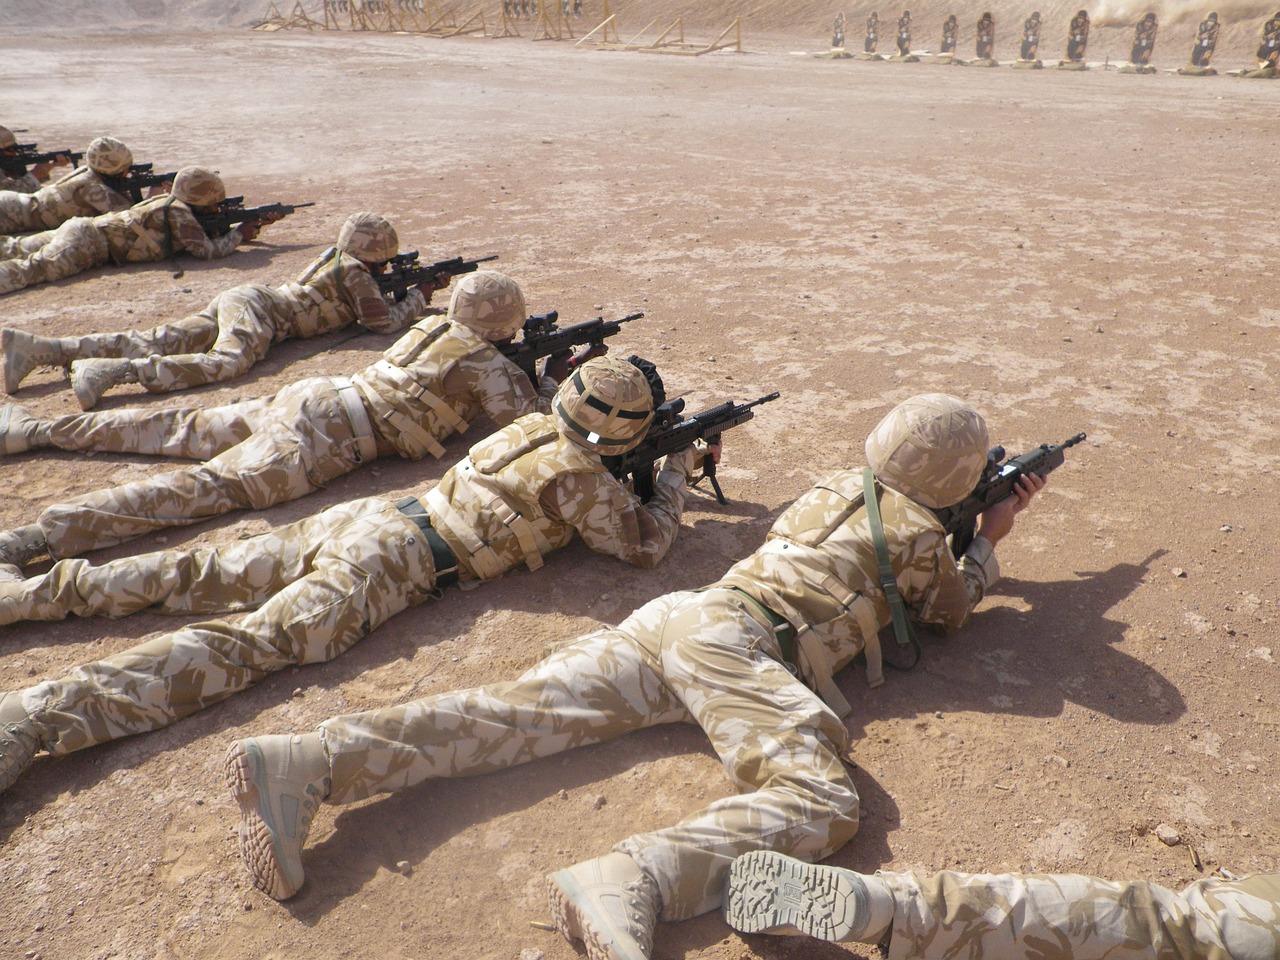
{"points": [[108, 156], [930, 448], [199, 187], [368, 237], [488, 302], [7, 139], [606, 405]]}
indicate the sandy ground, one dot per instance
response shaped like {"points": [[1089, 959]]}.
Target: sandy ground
{"points": [[1071, 252]]}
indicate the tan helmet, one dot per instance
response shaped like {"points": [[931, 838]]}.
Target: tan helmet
{"points": [[931, 448], [108, 156], [606, 405], [368, 237], [198, 186], [488, 302], [7, 139]]}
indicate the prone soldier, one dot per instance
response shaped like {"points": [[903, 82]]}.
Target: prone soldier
{"points": [[155, 229], [14, 174], [100, 186], [237, 328], [431, 383]]}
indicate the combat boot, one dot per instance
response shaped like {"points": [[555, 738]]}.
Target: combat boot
{"points": [[91, 378], [18, 429], [278, 781], [19, 740], [609, 903], [768, 892], [23, 352], [22, 545]]}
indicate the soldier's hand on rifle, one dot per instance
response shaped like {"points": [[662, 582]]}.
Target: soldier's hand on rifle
{"points": [[438, 282], [994, 524], [41, 170], [589, 353], [159, 188]]}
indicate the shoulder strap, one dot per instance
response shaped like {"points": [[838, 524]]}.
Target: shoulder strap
{"points": [[902, 631]]}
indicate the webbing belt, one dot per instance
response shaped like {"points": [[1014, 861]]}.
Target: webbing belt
{"points": [[782, 629], [446, 563]]}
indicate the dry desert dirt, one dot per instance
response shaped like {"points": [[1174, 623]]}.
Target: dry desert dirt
{"points": [[1069, 251]]}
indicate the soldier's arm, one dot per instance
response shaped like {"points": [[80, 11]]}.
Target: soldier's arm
{"points": [[501, 388], [611, 520], [372, 310], [190, 237], [100, 198]]}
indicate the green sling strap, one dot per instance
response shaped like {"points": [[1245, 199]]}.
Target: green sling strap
{"points": [[902, 631]]}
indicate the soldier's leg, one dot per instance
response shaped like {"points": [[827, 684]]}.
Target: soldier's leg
{"points": [[778, 742], [193, 433], [245, 332], [235, 576], [15, 248], [189, 335], [371, 567], [997, 915], [307, 441], [74, 247]]}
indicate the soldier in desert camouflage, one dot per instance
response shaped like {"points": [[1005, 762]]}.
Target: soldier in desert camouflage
{"points": [[749, 658], [14, 174], [100, 186], [237, 328], [1051, 917], [430, 384], [155, 229], [322, 584]]}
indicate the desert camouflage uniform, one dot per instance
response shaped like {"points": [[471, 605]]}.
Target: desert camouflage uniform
{"points": [[81, 193], [326, 582], [1066, 916], [714, 658], [27, 183], [152, 230], [239, 326], [429, 384]]}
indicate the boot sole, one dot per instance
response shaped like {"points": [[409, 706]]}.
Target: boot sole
{"points": [[576, 923], [771, 893], [256, 835]]}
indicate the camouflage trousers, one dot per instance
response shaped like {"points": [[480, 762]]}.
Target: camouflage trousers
{"points": [[72, 248], [222, 342], [1068, 917], [320, 585], [686, 657], [260, 453], [17, 213]]}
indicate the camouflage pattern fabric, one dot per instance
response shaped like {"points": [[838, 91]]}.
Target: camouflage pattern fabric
{"points": [[272, 450], [239, 326], [319, 585], [150, 231], [445, 362], [27, 183], [1068, 917], [706, 658], [301, 440], [818, 570], [82, 193]]}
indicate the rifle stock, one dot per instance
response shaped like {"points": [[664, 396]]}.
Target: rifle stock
{"points": [[543, 338], [232, 213], [404, 272]]}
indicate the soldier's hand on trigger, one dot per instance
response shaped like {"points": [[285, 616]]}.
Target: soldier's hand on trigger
{"points": [[438, 282], [995, 523], [41, 170]]}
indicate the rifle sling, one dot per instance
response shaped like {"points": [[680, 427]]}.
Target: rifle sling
{"points": [[902, 631]]}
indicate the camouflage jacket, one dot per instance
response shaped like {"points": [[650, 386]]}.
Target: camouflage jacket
{"points": [[27, 183], [817, 570], [526, 490], [81, 193], [436, 379], [336, 290], [158, 228]]}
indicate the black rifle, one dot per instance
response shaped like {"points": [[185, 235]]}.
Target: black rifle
{"points": [[140, 177], [232, 212], [404, 272], [28, 154], [671, 432], [542, 338], [999, 477]]}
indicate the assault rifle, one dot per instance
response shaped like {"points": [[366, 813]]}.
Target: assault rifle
{"points": [[998, 479], [141, 177], [671, 432], [28, 154], [404, 272], [542, 338], [232, 212]]}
